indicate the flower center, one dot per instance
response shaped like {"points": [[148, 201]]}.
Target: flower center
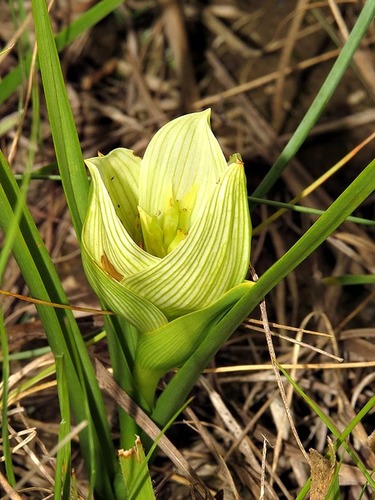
{"points": [[168, 227]]}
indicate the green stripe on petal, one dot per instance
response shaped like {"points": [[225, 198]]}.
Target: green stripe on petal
{"points": [[119, 171], [211, 260], [103, 231], [144, 315], [184, 153]]}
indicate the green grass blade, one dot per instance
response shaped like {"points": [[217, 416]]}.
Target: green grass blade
{"points": [[68, 153], [340, 437], [325, 93], [4, 408], [17, 392], [9, 122], [4, 256], [302, 209], [63, 458], [304, 491], [65, 138], [355, 279], [62, 332], [86, 21], [135, 472], [181, 384]]}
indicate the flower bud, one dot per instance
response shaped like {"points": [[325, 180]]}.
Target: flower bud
{"points": [[169, 234]]}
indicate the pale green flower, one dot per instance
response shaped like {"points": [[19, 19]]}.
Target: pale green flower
{"points": [[169, 234]]}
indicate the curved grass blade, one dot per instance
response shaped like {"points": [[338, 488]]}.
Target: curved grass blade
{"points": [[340, 437], [63, 458], [325, 93], [179, 387], [62, 332], [64, 133], [7, 452], [355, 279], [304, 210]]}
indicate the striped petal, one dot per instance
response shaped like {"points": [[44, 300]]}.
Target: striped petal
{"points": [[211, 260], [104, 234], [182, 157], [119, 171], [140, 312]]}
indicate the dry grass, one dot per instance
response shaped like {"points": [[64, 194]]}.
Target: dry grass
{"points": [[258, 65]]}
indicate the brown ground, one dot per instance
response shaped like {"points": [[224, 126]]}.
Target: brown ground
{"points": [[127, 77]]}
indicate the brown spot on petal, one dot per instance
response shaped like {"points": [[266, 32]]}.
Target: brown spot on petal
{"points": [[109, 268]]}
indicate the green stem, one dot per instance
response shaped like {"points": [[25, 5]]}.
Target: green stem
{"points": [[146, 382], [122, 364]]}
